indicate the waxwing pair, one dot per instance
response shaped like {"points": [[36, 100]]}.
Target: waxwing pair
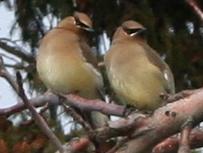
{"points": [[137, 74]]}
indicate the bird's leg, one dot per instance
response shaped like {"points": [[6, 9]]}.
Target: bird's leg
{"points": [[132, 112], [110, 97], [84, 115], [102, 94], [128, 110]]}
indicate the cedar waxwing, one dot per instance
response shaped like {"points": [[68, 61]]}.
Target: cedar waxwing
{"points": [[65, 62], [136, 72]]}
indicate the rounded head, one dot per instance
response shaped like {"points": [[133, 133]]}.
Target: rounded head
{"points": [[78, 20], [129, 29]]}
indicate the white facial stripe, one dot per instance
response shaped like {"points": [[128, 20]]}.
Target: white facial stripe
{"points": [[133, 34], [74, 20]]}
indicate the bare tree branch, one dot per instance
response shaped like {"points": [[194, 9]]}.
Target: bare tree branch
{"points": [[170, 145], [95, 105], [5, 74], [151, 130], [165, 122], [36, 102], [184, 143], [17, 52], [8, 57], [77, 118], [196, 8], [39, 120]]}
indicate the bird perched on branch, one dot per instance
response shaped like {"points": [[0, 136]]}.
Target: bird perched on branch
{"points": [[136, 72], [65, 62]]}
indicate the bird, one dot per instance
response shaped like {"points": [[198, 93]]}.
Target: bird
{"points": [[137, 74], [65, 62]]}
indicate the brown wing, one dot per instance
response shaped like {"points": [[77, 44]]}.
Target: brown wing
{"points": [[88, 54], [154, 58]]}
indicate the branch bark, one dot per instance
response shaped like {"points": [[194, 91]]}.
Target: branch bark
{"points": [[170, 145], [95, 105], [165, 122]]}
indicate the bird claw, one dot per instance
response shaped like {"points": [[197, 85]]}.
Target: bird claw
{"points": [[164, 96]]}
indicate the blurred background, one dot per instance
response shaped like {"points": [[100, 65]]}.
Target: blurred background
{"points": [[174, 30]]}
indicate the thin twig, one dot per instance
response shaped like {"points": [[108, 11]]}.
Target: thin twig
{"points": [[77, 118], [196, 8], [9, 57], [36, 102], [39, 120], [16, 66], [184, 144], [17, 52], [6, 75]]}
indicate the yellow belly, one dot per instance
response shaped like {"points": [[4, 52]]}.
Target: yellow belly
{"points": [[66, 76], [137, 89]]}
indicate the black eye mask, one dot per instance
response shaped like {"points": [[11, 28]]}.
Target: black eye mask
{"points": [[80, 24], [135, 32]]}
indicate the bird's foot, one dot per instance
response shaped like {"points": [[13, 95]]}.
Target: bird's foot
{"points": [[164, 96]]}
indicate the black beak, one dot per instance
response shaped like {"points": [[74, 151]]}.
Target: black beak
{"points": [[141, 31], [85, 28], [88, 29]]}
